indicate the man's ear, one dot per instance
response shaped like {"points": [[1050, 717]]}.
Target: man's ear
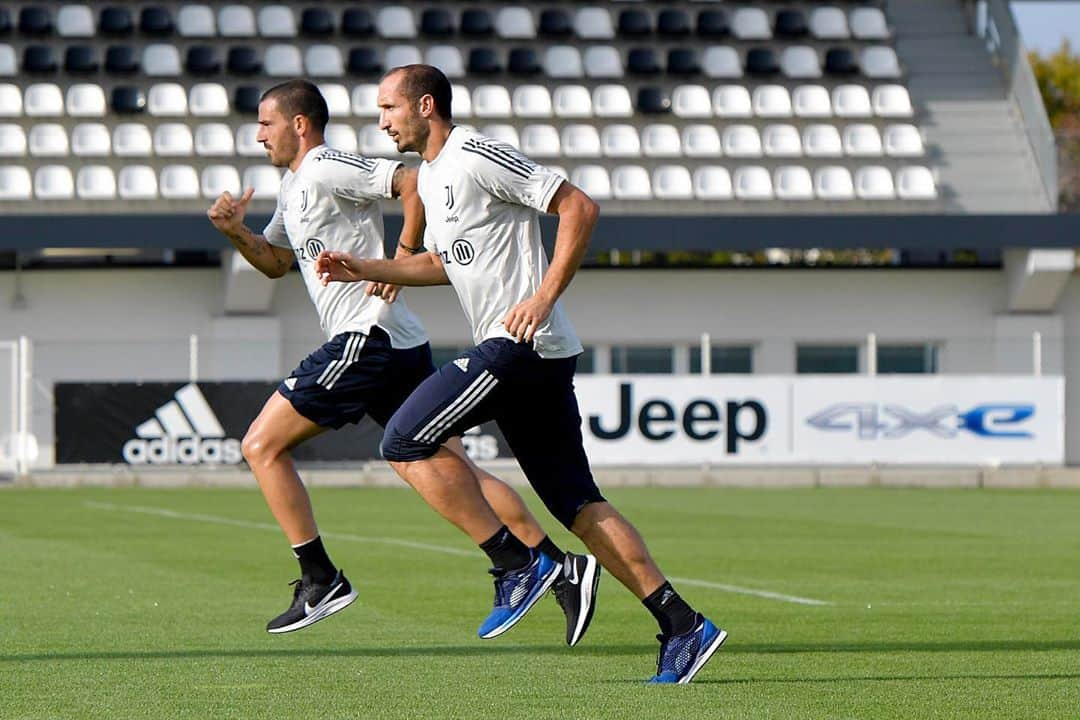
{"points": [[300, 124], [427, 105]]}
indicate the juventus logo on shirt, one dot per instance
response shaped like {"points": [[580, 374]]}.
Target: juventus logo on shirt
{"points": [[449, 196], [303, 200]]}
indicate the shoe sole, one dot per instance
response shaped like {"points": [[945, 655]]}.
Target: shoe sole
{"points": [[545, 585], [590, 581], [323, 612], [721, 636]]}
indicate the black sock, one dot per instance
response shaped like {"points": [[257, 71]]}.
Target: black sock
{"points": [[671, 611], [315, 564], [506, 551], [551, 550]]}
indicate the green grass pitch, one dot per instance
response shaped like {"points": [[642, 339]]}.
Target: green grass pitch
{"points": [[933, 604]]}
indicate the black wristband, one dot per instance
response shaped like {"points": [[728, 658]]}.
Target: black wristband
{"points": [[410, 250]]}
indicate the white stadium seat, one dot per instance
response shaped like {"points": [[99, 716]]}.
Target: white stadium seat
{"points": [[672, 182], [15, 183], [822, 141], [800, 61], [132, 140], [833, 182], [903, 141], [53, 182], [376, 143], [324, 60], [915, 183], [580, 141], [572, 101], [277, 21], [620, 140], [593, 181], [701, 141], [448, 59], [515, 23], [85, 100], [751, 24], [691, 101], [282, 61], [868, 23], [214, 140], [491, 101], [173, 140], [612, 101], [721, 61], [771, 101], [208, 100], [879, 61], [631, 182], [811, 101], [90, 140], [502, 132], [236, 21], [593, 23], [11, 103], [95, 182], [167, 100], [793, 182], [460, 102], [862, 140], [531, 101], [339, 136], [196, 21], [48, 140], [712, 182], [829, 23], [43, 100], [851, 101], [265, 179], [563, 61], [395, 23], [365, 100], [540, 141], [603, 61], [9, 66], [337, 99], [892, 101], [781, 141], [874, 182], [75, 21], [741, 141], [137, 182], [161, 60], [398, 55], [752, 182], [12, 140], [246, 144], [660, 140], [732, 101], [217, 179]]}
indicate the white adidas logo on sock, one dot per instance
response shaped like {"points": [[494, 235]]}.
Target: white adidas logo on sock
{"points": [[183, 431]]}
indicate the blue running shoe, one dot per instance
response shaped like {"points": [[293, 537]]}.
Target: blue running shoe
{"points": [[516, 591], [681, 656]]}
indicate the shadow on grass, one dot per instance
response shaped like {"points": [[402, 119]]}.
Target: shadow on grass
{"points": [[884, 678], [479, 650]]}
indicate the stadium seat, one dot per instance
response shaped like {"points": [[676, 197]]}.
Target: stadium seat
{"points": [[217, 179], [643, 61], [95, 182], [81, 60], [132, 140], [711, 23], [502, 132], [208, 100], [800, 61], [364, 61], [11, 103], [868, 23], [603, 62], [879, 61], [324, 61], [793, 182], [653, 100], [161, 60], [12, 140], [398, 55], [202, 60], [822, 141], [376, 143], [751, 24], [555, 23], [276, 21], [9, 67], [173, 140], [491, 101], [15, 183], [196, 21], [48, 140], [631, 182], [771, 101], [721, 61], [675, 23], [436, 22], [761, 61], [339, 136], [712, 182], [524, 61], [741, 141], [620, 140], [829, 23], [915, 183], [851, 101], [137, 182], [53, 182], [811, 101], [395, 22], [862, 140], [701, 141], [266, 180], [243, 60], [447, 58], [531, 101], [593, 23], [115, 21], [247, 146], [593, 180], [460, 102], [167, 100], [634, 23], [484, 61], [365, 100], [246, 99], [236, 21], [672, 182], [337, 99], [691, 101], [90, 140], [732, 101], [874, 182], [39, 60], [841, 61], [43, 100], [781, 141], [580, 141], [892, 101], [683, 61], [357, 22], [660, 140], [316, 22], [515, 23], [902, 141], [541, 141], [789, 23], [563, 61], [85, 100], [283, 61], [35, 20], [612, 101], [477, 22], [214, 140], [155, 21], [752, 182], [574, 101], [833, 182], [121, 60]]}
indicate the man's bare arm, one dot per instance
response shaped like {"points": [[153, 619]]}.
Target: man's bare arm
{"points": [[415, 270], [227, 215]]}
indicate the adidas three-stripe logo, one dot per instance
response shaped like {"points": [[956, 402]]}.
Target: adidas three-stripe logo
{"points": [[477, 390], [337, 368], [183, 431], [501, 154]]}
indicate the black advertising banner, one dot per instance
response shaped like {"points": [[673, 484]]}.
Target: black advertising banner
{"points": [[180, 423]]}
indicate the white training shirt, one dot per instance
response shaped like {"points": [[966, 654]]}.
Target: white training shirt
{"points": [[331, 202], [482, 200]]}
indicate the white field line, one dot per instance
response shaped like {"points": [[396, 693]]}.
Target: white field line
{"points": [[218, 520]]}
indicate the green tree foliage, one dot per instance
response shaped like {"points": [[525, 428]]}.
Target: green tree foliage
{"points": [[1059, 82]]}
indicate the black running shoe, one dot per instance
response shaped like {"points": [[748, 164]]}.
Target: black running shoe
{"points": [[575, 589], [312, 602]]}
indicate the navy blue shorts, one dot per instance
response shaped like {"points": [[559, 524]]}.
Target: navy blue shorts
{"points": [[354, 375], [531, 399]]}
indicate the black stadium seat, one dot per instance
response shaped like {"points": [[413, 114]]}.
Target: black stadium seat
{"points": [[316, 22], [673, 23], [243, 60], [128, 100], [436, 22], [635, 23], [35, 20], [202, 60], [484, 61], [761, 61], [5, 21], [121, 60], [39, 59], [155, 20], [364, 61], [643, 61], [476, 22], [790, 23], [712, 23], [115, 21], [357, 22], [81, 59], [554, 23], [524, 61], [246, 99], [652, 100], [840, 61], [683, 61]]}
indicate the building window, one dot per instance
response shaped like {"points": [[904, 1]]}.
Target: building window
{"points": [[827, 359], [638, 359], [725, 359], [919, 359]]}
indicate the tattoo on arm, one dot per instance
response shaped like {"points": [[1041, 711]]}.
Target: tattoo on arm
{"points": [[397, 180], [258, 249]]}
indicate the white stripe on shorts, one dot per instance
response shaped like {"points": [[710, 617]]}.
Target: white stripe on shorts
{"points": [[336, 369], [473, 394]]}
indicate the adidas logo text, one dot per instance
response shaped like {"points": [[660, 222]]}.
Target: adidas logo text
{"points": [[185, 431]]}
